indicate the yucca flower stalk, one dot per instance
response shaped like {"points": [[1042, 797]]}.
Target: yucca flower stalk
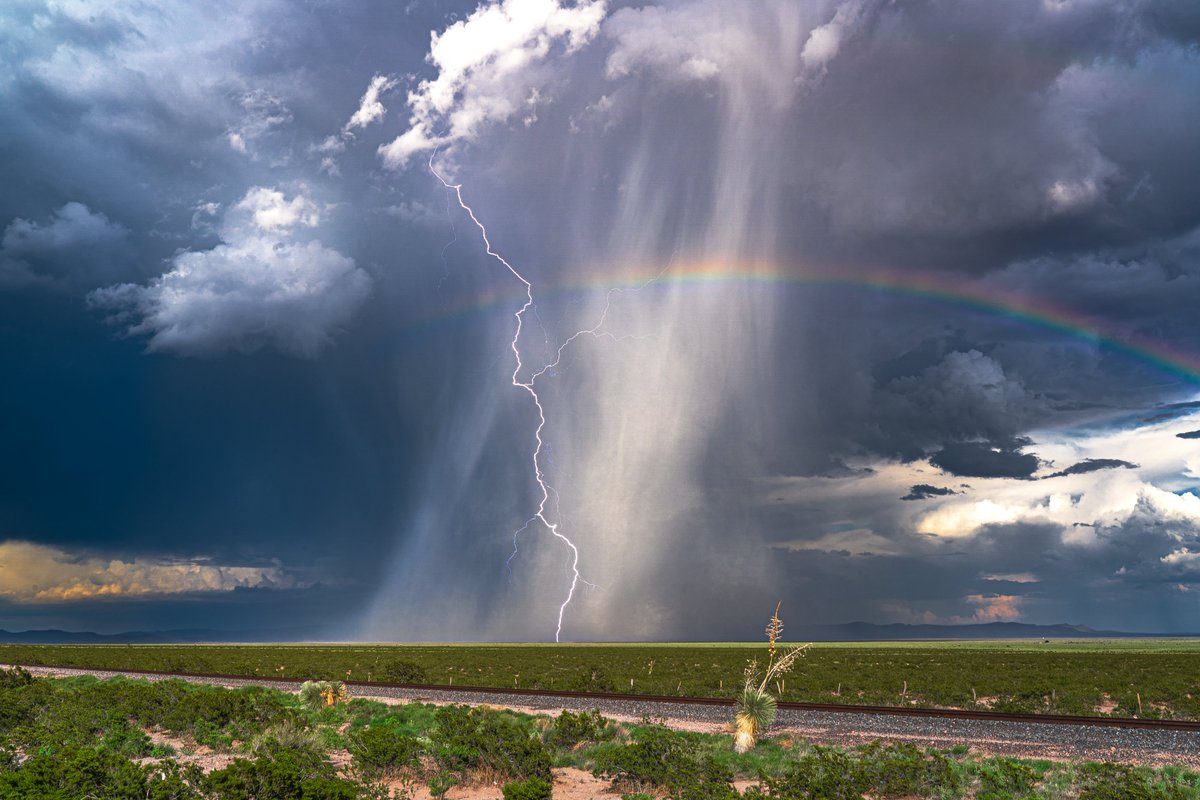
{"points": [[755, 709]]}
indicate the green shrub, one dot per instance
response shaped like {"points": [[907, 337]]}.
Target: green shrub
{"points": [[466, 738], [572, 729], [1006, 779], [72, 774], [660, 758], [11, 678], [161, 751], [167, 780], [592, 678], [442, 782], [1122, 782], [896, 770], [286, 775], [710, 780], [401, 671], [209, 734], [126, 740], [823, 774], [288, 736], [528, 789], [381, 749]]}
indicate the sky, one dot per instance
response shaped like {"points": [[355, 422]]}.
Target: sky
{"points": [[597, 320]]}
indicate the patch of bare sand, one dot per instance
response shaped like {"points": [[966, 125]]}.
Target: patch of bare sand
{"points": [[189, 752]]}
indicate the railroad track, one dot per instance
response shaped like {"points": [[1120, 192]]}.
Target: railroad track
{"points": [[832, 708]]}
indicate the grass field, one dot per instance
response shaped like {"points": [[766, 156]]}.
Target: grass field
{"points": [[1124, 677]]}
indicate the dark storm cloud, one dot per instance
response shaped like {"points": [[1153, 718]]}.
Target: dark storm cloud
{"points": [[1040, 150], [985, 460], [1175, 19], [1093, 465], [1042, 177], [965, 396], [924, 491], [1004, 147], [128, 136], [75, 248]]}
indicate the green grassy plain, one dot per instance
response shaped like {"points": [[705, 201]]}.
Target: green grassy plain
{"points": [[1124, 677]]}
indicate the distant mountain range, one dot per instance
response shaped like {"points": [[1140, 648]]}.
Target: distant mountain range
{"points": [[152, 637], [846, 632]]}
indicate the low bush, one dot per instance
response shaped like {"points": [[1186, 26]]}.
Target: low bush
{"points": [[1006, 779], [289, 736], [479, 739], [14, 677], [660, 758], [823, 774], [126, 740], [592, 678], [528, 789], [286, 775], [572, 729], [381, 749], [1123, 782], [89, 772], [903, 769], [401, 671]]}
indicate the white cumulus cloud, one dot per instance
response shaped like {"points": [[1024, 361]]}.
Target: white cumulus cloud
{"points": [[487, 69], [263, 286], [370, 109], [272, 211], [33, 573]]}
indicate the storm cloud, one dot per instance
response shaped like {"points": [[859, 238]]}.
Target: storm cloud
{"points": [[1092, 465], [923, 491], [262, 285], [76, 246], [829, 257], [985, 460]]}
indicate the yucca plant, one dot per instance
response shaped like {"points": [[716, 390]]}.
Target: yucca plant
{"points": [[755, 707], [318, 694]]}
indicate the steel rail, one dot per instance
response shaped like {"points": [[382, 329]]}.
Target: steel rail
{"points": [[834, 708]]}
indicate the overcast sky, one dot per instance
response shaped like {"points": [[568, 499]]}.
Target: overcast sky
{"points": [[884, 308]]}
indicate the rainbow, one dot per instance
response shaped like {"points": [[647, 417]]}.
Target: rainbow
{"points": [[935, 287]]}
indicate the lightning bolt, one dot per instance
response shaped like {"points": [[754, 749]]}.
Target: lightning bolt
{"points": [[528, 387]]}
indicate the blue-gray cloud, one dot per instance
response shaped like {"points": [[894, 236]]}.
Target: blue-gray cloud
{"points": [[76, 247], [924, 491]]}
